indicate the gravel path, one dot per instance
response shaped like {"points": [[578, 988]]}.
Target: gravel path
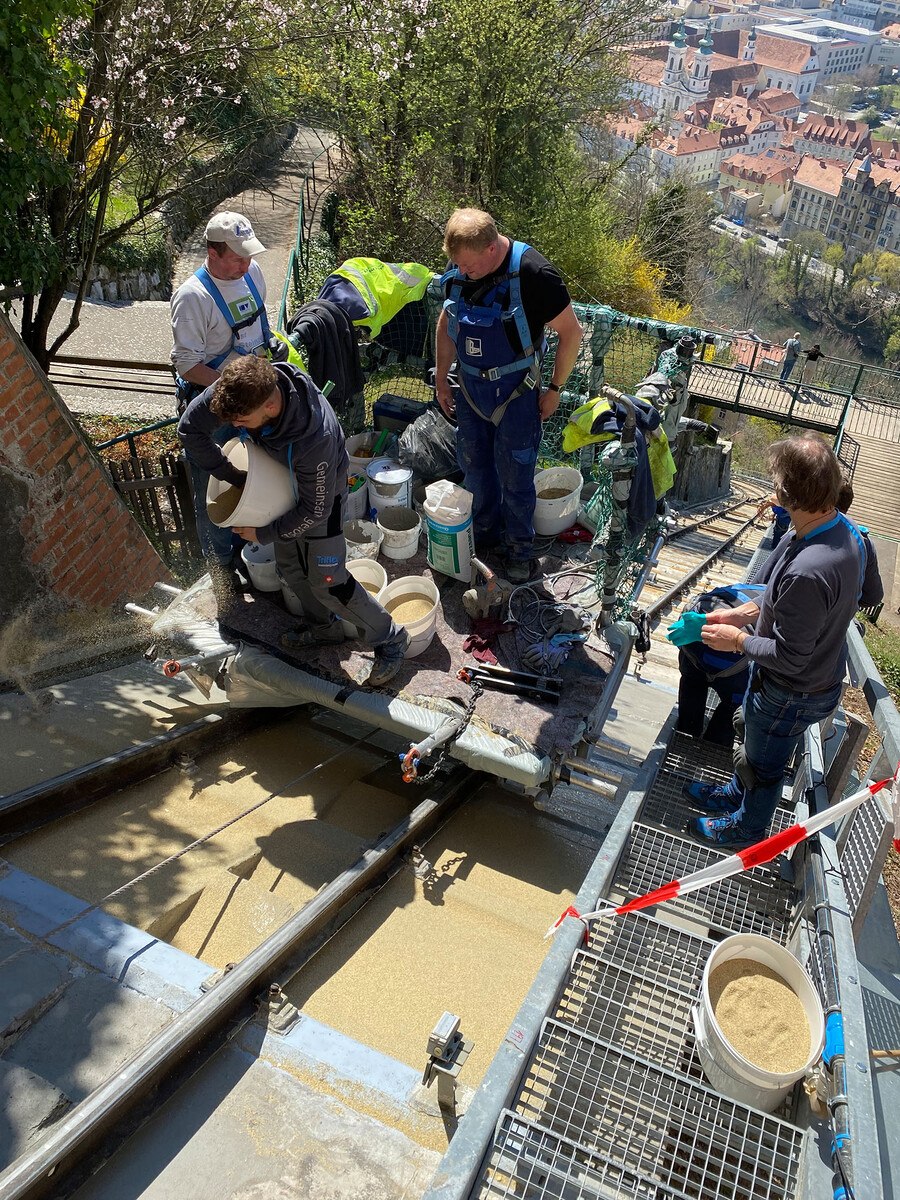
{"points": [[140, 329]]}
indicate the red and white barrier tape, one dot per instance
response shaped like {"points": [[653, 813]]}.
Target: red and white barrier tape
{"points": [[751, 856]]}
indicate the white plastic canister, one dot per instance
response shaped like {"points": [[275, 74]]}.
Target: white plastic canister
{"points": [[401, 528], [260, 564], [359, 449], [372, 576], [363, 539], [267, 493], [390, 485], [727, 1070], [357, 507]]}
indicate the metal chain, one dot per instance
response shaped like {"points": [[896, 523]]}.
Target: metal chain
{"points": [[468, 714], [200, 841]]}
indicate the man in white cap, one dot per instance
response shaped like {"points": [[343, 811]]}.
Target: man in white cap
{"points": [[218, 313]]}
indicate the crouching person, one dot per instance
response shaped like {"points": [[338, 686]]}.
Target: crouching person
{"points": [[285, 414]]}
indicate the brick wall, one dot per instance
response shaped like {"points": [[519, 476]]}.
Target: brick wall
{"points": [[64, 530]]}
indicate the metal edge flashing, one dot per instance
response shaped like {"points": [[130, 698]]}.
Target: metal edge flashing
{"points": [[859, 1099], [458, 1169], [52, 798], [865, 675]]}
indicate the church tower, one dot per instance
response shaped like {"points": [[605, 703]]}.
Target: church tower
{"points": [[749, 54], [698, 83], [673, 76]]}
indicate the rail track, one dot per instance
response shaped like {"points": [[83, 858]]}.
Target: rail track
{"points": [[332, 836]]}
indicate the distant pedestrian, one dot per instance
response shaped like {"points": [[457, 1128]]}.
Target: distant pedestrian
{"points": [[781, 519], [813, 354], [792, 350]]}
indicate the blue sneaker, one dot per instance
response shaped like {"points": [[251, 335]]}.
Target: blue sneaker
{"points": [[722, 832], [711, 797]]}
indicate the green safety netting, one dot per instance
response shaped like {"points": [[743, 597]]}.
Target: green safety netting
{"points": [[617, 349]]}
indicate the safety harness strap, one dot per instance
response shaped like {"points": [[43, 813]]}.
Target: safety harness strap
{"points": [[236, 326]]}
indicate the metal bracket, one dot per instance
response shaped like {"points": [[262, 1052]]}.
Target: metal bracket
{"points": [[280, 1015], [447, 1052], [208, 984], [422, 869]]}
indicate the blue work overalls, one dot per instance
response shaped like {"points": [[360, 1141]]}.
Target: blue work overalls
{"points": [[499, 422]]}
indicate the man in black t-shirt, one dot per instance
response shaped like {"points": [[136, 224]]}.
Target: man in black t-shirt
{"points": [[500, 297]]}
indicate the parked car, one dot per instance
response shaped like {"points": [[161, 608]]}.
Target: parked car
{"points": [[746, 233]]}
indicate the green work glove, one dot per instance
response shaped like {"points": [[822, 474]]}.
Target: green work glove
{"points": [[686, 629]]}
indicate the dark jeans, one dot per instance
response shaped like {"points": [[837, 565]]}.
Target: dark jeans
{"points": [[215, 542], [775, 720], [779, 529], [786, 367], [498, 464], [693, 686]]}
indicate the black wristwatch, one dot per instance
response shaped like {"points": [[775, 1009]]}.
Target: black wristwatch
{"points": [[552, 387]]}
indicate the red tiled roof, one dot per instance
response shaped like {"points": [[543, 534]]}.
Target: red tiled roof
{"points": [[832, 131], [820, 174], [774, 100], [779, 53], [772, 166]]}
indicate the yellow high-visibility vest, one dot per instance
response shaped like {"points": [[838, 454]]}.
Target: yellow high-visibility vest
{"points": [[385, 288]]}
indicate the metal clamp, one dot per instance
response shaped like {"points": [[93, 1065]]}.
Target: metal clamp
{"points": [[447, 1052]]}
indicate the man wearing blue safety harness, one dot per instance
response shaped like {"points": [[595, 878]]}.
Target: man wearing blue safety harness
{"points": [[500, 295], [815, 580], [218, 314]]}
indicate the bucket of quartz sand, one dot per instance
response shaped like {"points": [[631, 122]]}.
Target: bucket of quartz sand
{"points": [[413, 602], [759, 1023]]}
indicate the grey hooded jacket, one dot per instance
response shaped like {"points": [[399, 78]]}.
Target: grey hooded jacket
{"points": [[307, 438]]}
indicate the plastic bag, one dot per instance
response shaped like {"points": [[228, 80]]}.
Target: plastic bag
{"points": [[428, 445]]}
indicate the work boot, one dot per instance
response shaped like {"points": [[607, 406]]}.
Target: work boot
{"points": [[389, 658], [517, 570], [314, 638]]}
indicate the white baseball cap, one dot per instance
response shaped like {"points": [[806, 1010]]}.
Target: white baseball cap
{"points": [[236, 232]]}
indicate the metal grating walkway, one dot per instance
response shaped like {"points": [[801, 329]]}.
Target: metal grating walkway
{"points": [[668, 807], [654, 1123], [756, 901], [636, 990], [613, 1102]]}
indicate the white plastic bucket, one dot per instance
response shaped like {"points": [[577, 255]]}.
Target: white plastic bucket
{"points": [[363, 539], [357, 507], [413, 587], [268, 492], [401, 528], [260, 564], [727, 1070], [390, 485], [373, 577], [359, 462], [554, 516]]}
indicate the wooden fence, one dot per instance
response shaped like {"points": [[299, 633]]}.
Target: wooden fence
{"points": [[159, 495]]}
